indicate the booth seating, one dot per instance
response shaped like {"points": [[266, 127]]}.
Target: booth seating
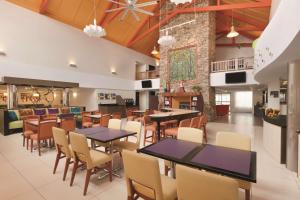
{"points": [[12, 120]]}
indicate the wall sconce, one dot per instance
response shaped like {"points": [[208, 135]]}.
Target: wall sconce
{"points": [[2, 52], [113, 71], [74, 94], [54, 95], [72, 64]]}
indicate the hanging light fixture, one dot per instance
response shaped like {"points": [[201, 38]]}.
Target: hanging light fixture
{"points": [[93, 30], [166, 40], [154, 51], [233, 33]]}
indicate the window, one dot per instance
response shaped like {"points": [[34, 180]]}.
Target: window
{"points": [[223, 99]]}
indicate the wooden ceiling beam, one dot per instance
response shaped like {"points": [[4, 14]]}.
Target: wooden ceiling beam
{"points": [[103, 17], [44, 6], [200, 9], [244, 19]]}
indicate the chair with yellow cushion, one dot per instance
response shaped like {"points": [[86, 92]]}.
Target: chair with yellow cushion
{"points": [[63, 149], [131, 126], [236, 141], [194, 184], [92, 159], [145, 181], [187, 134]]}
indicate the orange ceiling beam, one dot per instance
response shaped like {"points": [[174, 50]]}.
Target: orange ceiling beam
{"points": [[114, 15], [44, 6], [244, 19], [201, 9], [103, 17]]}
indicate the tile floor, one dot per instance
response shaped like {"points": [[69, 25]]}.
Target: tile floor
{"points": [[25, 175]]}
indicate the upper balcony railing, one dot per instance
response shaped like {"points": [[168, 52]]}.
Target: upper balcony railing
{"points": [[147, 75], [232, 64]]}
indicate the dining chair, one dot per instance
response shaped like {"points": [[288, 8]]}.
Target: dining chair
{"points": [[202, 125], [103, 122], [187, 134], [44, 133], [86, 121], [116, 115], [93, 160], [129, 115], [63, 149], [145, 180], [27, 131], [151, 127], [68, 124], [194, 184], [131, 126], [195, 122], [236, 141], [172, 132]]}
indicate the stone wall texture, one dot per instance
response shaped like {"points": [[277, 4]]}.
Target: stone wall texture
{"points": [[201, 34]]}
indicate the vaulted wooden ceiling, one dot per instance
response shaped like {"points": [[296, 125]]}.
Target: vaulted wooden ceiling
{"points": [[250, 18]]}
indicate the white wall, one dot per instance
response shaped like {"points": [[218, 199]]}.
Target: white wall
{"points": [[155, 85], [144, 100], [225, 53], [274, 6], [40, 47], [218, 79]]}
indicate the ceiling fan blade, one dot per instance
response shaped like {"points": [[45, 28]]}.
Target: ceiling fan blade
{"points": [[143, 11], [124, 15], [150, 3], [135, 15], [123, 4], [115, 9]]}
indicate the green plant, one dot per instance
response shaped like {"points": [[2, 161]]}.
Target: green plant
{"points": [[196, 88]]}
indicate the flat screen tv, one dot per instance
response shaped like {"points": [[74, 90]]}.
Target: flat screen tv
{"points": [[147, 84], [236, 77]]}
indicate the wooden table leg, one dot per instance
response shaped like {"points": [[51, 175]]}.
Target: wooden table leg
{"points": [[158, 131]]}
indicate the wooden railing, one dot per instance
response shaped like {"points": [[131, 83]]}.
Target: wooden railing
{"points": [[147, 75], [232, 64]]}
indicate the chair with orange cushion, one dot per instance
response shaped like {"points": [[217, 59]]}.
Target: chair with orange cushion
{"points": [[202, 125], [63, 149], [44, 133], [172, 132], [86, 121], [116, 115], [195, 122], [26, 129], [130, 115], [152, 127], [68, 124], [104, 120]]}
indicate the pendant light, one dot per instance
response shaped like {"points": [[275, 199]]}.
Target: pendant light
{"points": [[93, 30], [233, 33], [154, 51]]}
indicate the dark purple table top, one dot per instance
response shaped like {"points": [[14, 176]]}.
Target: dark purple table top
{"points": [[177, 149], [226, 161], [103, 134], [232, 160]]}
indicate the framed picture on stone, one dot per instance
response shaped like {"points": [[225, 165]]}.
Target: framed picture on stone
{"points": [[182, 64]]}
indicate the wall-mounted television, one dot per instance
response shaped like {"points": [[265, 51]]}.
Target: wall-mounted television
{"points": [[147, 84], [236, 77]]}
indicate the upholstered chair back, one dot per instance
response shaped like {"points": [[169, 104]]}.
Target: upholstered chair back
{"points": [[80, 148], [134, 126], [185, 123], [114, 124], [68, 124], [85, 118], [104, 120], [61, 141], [142, 173], [195, 122], [45, 129], [234, 140], [190, 134], [194, 184]]}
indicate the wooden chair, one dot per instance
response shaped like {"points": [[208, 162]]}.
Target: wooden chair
{"points": [[92, 159], [195, 122], [103, 121], [194, 184], [63, 149], [44, 133], [145, 180], [187, 134], [152, 127], [202, 125], [236, 141], [86, 121], [68, 124], [26, 129], [172, 132], [130, 115], [131, 126], [116, 115]]}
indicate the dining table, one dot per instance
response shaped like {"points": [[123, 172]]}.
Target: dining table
{"points": [[105, 135], [234, 163], [139, 113]]}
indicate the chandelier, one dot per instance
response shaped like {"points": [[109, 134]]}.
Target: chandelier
{"points": [[181, 1], [93, 30], [233, 33], [166, 40]]}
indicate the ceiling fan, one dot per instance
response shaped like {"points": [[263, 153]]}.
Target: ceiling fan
{"points": [[133, 7]]}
